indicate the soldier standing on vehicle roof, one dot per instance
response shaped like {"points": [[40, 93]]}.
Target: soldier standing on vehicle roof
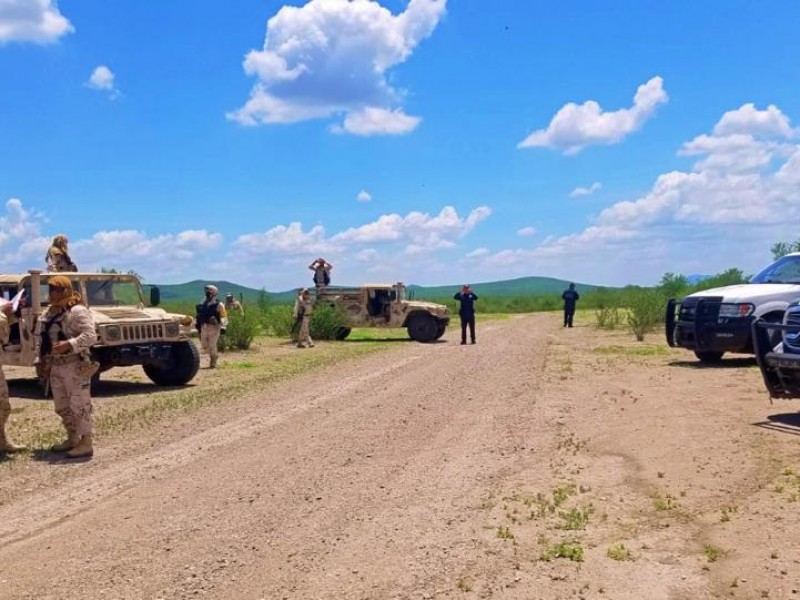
{"points": [[6, 445], [322, 272], [303, 307], [57, 258], [64, 335], [211, 322]]}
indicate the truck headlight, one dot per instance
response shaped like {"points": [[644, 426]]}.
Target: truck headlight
{"points": [[172, 329], [735, 311], [112, 333]]}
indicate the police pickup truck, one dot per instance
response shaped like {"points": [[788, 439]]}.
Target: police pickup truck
{"points": [[719, 320]]}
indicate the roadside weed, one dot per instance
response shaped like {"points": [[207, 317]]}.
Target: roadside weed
{"points": [[576, 518], [619, 552], [571, 550], [504, 533], [713, 553], [464, 585], [668, 502]]}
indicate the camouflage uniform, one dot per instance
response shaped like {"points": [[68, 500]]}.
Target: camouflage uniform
{"points": [[233, 305], [303, 307], [57, 259], [70, 373], [5, 406], [211, 326]]}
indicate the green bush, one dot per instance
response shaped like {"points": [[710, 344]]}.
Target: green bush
{"points": [[277, 320], [646, 309], [326, 321], [242, 329]]}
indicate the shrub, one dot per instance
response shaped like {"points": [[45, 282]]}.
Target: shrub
{"points": [[277, 320], [326, 321], [242, 329], [645, 311]]}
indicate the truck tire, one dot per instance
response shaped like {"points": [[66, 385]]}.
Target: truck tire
{"points": [[183, 366], [422, 328], [707, 356], [440, 331], [342, 333]]}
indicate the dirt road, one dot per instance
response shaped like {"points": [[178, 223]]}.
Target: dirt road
{"points": [[540, 463]]}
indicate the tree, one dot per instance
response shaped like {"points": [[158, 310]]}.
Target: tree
{"points": [[780, 249], [674, 286]]}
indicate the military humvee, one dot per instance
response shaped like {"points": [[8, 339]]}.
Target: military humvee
{"points": [[128, 333], [385, 305]]}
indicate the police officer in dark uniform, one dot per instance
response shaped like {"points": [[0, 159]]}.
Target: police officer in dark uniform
{"points": [[570, 297], [466, 311]]}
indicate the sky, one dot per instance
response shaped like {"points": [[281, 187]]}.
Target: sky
{"points": [[427, 141]]}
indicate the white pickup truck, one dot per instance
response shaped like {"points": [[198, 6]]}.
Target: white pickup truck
{"points": [[719, 320]]}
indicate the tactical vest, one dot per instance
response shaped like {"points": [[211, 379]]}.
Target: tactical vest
{"points": [[208, 313], [52, 331]]}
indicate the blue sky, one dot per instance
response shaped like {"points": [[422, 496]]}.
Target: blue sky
{"points": [[427, 141]]}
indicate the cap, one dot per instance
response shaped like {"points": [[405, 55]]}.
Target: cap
{"points": [[211, 288]]}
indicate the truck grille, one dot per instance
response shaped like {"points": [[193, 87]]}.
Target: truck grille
{"points": [[133, 333], [709, 308]]}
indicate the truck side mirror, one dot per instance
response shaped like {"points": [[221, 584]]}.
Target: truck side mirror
{"points": [[155, 295]]}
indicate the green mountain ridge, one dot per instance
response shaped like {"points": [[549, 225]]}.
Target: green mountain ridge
{"points": [[522, 286]]}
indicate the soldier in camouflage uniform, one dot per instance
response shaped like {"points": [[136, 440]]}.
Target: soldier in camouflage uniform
{"points": [[57, 258], [6, 445], [303, 307], [65, 332], [211, 321]]}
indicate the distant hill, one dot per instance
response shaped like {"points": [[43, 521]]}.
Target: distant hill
{"points": [[523, 286]]}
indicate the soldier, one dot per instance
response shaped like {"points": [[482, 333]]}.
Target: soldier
{"points": [[6, 445], [303, 307], [211, 321], [65, 332], [570, 297], [233, 305], [57, 258], [322, 272], [466, 311]]}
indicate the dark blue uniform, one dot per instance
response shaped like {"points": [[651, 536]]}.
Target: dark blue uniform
{"points": [[467, 313], [570, 297]]}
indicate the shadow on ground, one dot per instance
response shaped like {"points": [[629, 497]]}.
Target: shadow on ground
{"points": [[782, 422], [30, 389], [725, 363]]}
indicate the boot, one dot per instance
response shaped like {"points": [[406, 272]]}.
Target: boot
{"points": [[83, 449], [7, 446], [212, 364], [68, 444]]}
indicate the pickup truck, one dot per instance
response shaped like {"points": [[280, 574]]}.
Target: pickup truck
{"points": [[720, 320]]}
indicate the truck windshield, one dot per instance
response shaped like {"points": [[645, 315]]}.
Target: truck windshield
{"points": [[111, 292], [784, 270]]}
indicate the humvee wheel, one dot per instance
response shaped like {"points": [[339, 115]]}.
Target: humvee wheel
{"points": [[423, 328], [342, 333], [182, 368], [708, 356], [440, 331]]}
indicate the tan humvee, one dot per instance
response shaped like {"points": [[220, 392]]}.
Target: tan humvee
{"points": [[385, 305], [128, 332]]}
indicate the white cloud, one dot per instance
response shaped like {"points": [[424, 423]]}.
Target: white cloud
{"points": [[586, 191], [377, 121], [102, 79], [285, 240], [37, 21], [477, 253], [364, 196], [367, 255], [421, 230], [576, 126], [333, 57], [748, 120], [526, 232], [739, 197]]}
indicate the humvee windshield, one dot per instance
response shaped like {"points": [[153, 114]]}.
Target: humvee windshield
{"points": [[112, 292]]}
